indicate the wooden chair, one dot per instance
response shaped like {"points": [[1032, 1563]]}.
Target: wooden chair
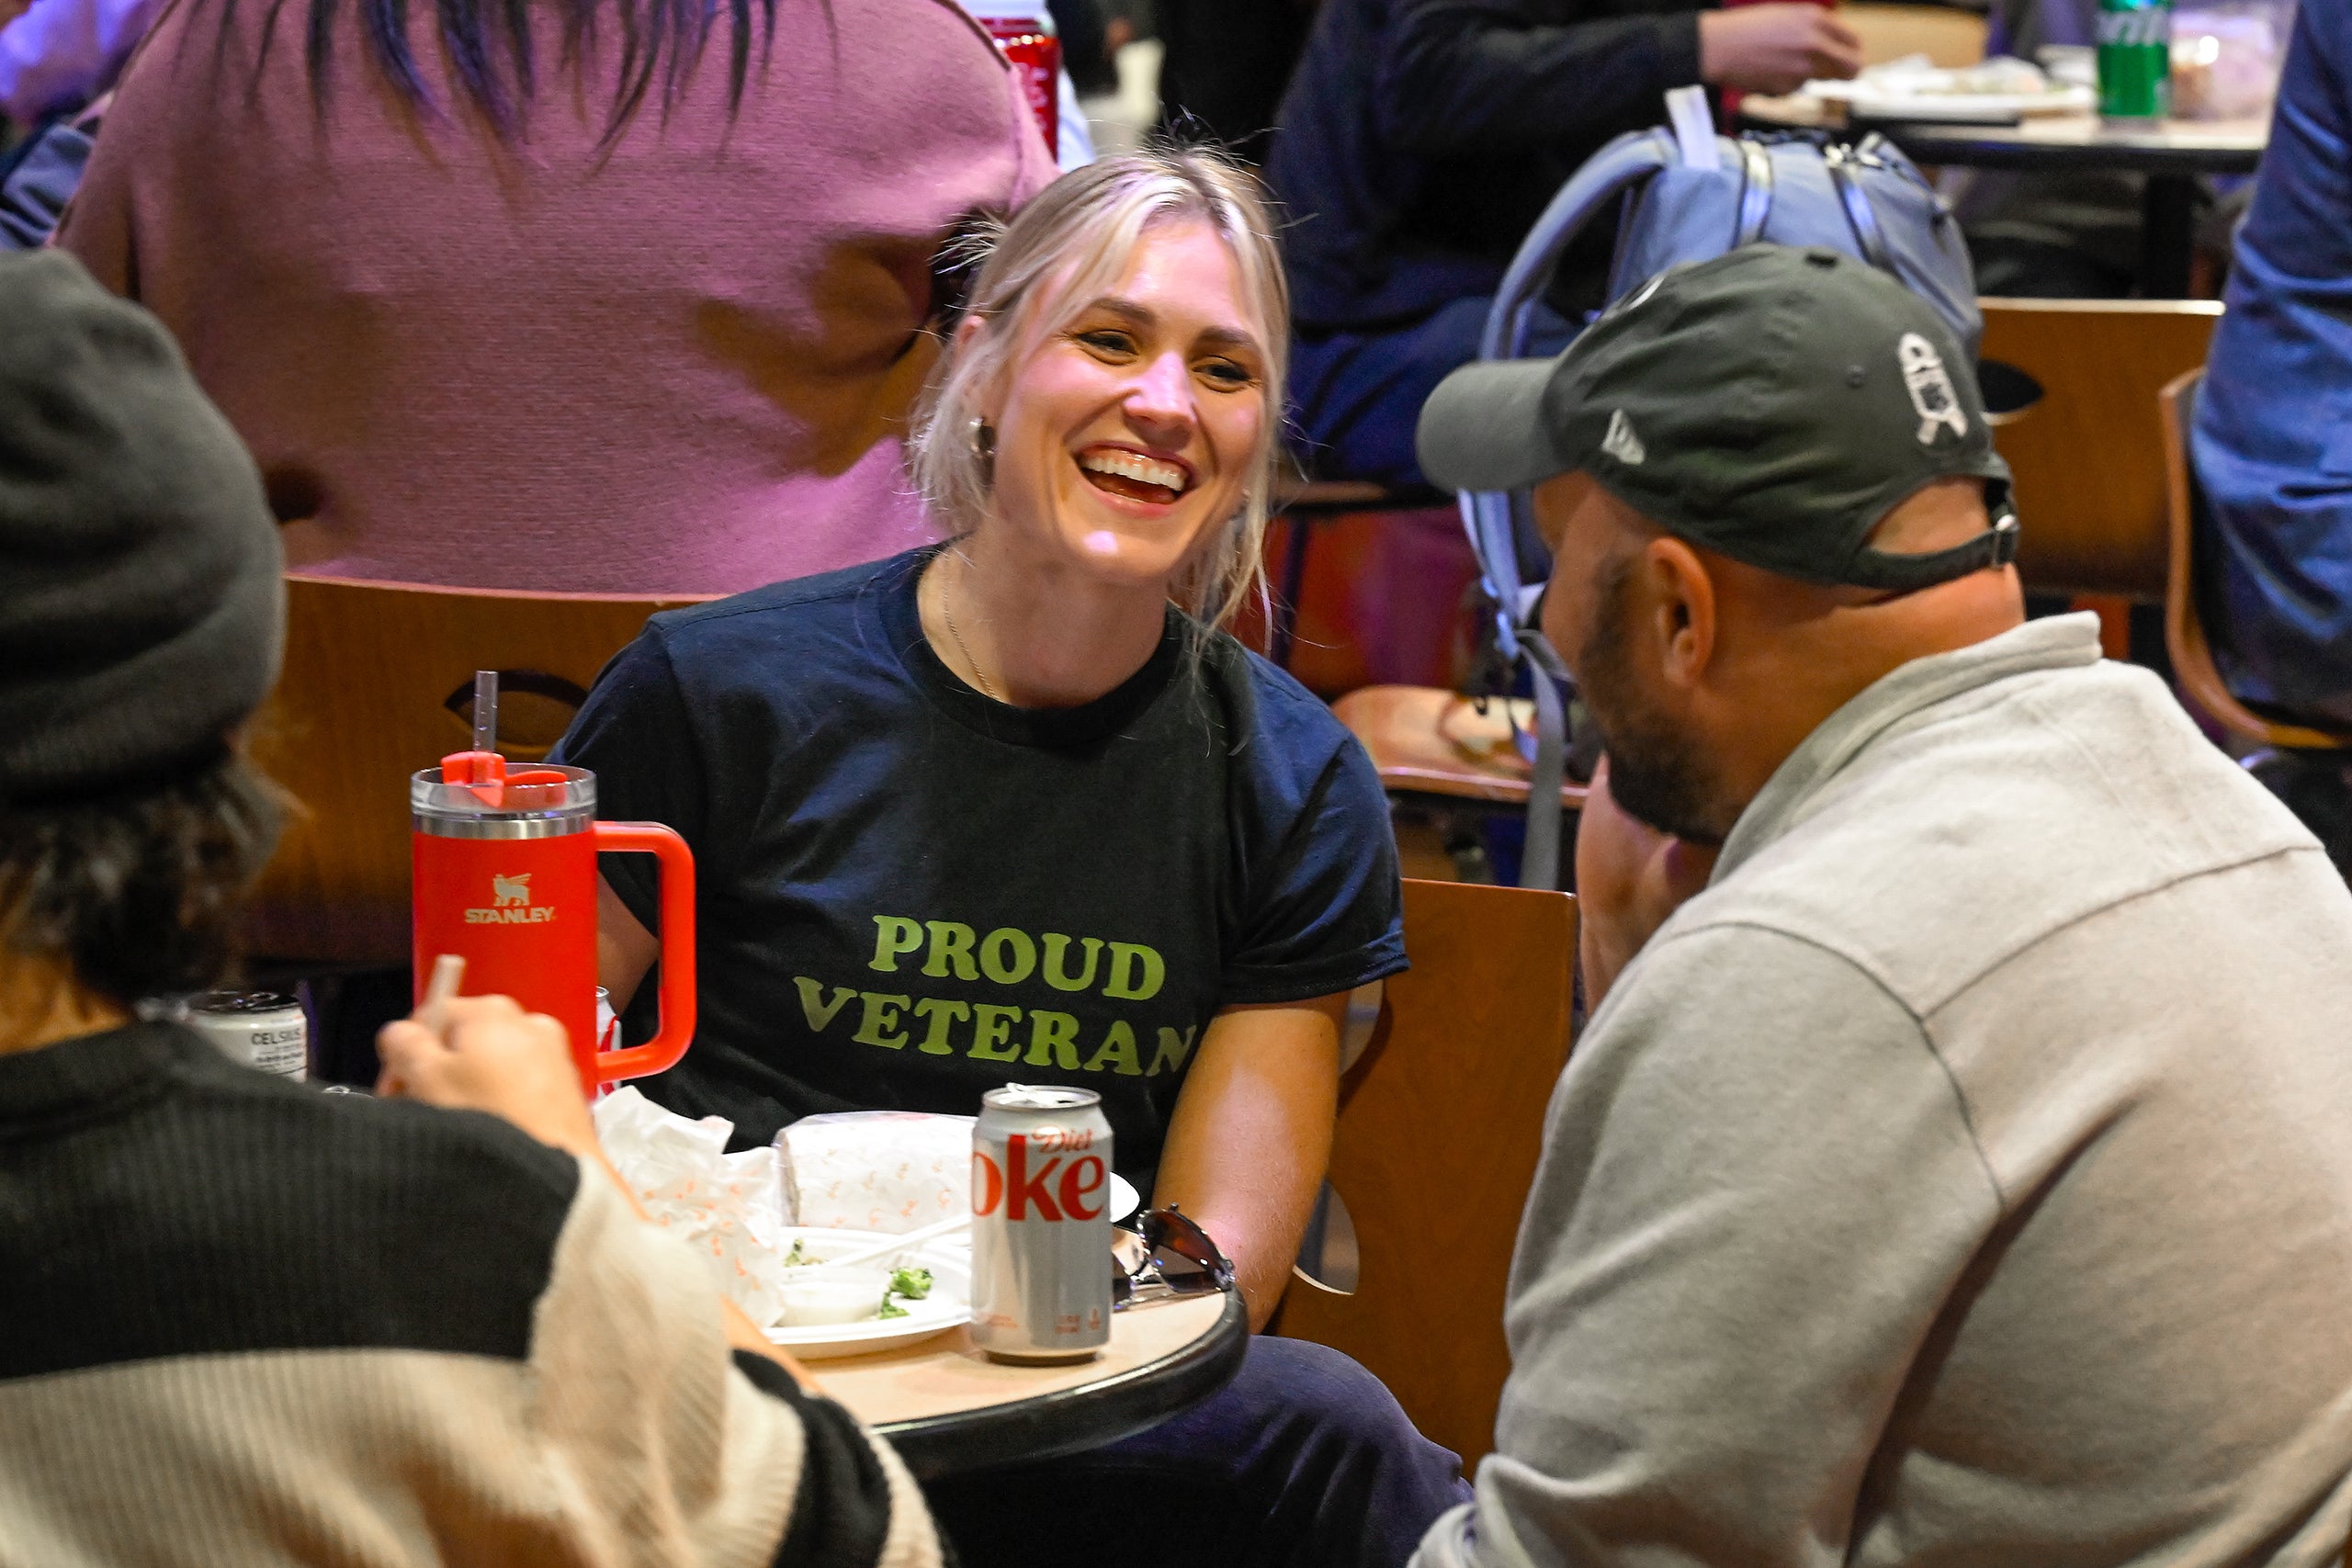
{"points": [[2088, 453], [378, 683], [1441, 1123], [1301, 503], [1947, 37], [2184, 640]]}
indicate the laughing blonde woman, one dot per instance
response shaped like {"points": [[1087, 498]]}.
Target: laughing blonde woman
{"points": [[1017, 806]]}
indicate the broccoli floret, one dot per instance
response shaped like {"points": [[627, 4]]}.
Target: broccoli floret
{"points": [[799, 1257], [912, 1283], [890, 1309]]}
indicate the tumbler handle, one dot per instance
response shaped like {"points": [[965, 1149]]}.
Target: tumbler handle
{"points": [[678, 1029]]}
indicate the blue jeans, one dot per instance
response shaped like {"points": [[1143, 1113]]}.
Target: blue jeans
{"points": [[1304, 1461], [1356, 397]]}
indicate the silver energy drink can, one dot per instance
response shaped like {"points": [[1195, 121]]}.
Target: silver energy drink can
{"points": [[1041, 1227], [260, 1028]]}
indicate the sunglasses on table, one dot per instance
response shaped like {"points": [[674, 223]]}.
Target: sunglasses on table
{"points": [[1164, 1257]]}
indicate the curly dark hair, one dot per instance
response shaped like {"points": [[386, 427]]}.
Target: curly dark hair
{"points": [[138, 893]]}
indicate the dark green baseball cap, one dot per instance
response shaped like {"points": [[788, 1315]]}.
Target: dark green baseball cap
{"points": [[1773, 404]]}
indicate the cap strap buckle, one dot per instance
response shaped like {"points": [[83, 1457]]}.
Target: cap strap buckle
{"points": [[2005, 534]]}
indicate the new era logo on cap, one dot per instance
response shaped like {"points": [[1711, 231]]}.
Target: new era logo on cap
{"points": [[1930, 387], [1620, 443]]}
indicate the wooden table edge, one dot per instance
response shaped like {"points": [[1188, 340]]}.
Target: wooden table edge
{"points": [[1076, 1419]]}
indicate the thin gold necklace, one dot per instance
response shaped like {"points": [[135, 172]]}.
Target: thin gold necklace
{"points": [[947, 613]]}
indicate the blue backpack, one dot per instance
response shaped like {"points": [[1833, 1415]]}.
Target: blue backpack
{"points": [[1687, 195]]}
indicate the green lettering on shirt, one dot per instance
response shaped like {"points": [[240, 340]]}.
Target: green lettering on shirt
{"points": [[1126, 956], [990, 1025], [813, 1003], [1053, 1041], [951, 943], [940, 1015], [1012, 970], [1057, 948], [881, 1013], [1173, 1049], [1118, 1051], [894, 934]]}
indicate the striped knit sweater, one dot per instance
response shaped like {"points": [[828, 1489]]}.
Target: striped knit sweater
{"points": [[242, 1322]]}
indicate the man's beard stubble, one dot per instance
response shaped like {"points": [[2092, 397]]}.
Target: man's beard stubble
{"points": [[1658, 774]]}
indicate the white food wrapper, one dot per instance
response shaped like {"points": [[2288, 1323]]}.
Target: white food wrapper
{"points": [[891, 1171], [728, 1208]]}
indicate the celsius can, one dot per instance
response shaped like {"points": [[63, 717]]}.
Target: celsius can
{"points": [[260, 1028], [1036, 57], [2135, 58], [1041, 1228]]}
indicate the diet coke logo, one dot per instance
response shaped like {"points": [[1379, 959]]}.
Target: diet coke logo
{"points": [[1028, 1187]]}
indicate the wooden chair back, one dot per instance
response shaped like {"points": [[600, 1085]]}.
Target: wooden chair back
{"points": [[1947, 37], [2185, 638], [378, 683], [1441, 1123], [2089, 454]]}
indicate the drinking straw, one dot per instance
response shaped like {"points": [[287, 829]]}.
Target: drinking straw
{"points": [[485, 722]]}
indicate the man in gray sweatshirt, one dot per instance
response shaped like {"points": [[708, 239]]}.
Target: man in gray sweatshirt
{"points": [[1957, 1168]]}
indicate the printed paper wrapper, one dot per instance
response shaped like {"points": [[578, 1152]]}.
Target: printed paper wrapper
{"points": [[876, 1170], [728, 1208]]}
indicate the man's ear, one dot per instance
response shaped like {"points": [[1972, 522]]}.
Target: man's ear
{"points": [[1683, 598]]}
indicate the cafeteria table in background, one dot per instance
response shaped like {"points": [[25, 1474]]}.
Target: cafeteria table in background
{"points": [[2173, 155]]}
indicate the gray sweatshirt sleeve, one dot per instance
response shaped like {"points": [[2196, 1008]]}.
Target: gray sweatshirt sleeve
{"points": [[1759, 1190]]}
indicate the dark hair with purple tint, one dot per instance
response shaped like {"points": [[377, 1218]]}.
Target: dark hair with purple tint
{"points": [[490, 49]]}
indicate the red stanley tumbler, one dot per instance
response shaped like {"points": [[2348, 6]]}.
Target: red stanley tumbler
{"points": [[1036, 57], [506, 878]]}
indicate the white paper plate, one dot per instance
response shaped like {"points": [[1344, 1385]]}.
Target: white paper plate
{"points": [[948, 1304], [1969, 108]]}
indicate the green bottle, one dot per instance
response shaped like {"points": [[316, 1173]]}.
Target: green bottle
{"points": [[2135, 58]]}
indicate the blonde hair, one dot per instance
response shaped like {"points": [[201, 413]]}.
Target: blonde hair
{"points": [[1063, 249]]}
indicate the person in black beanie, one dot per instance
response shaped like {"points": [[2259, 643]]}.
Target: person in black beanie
{"points": [[241, 1320]]}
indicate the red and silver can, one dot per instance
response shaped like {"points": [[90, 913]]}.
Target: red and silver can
{"points": [[1041, 1225], [1036, 57], [259, 1029]]}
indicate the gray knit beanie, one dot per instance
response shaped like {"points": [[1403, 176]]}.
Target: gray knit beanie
{"points": [[142, 608]]}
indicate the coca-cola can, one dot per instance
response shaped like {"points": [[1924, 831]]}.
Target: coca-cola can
{"points": [[259, 1029], [1036, 57], [1041, 1224]]}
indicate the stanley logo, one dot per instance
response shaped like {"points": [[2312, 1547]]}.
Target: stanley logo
{"points": [[510, 904]]}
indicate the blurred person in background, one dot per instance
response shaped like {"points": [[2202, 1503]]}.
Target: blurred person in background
{"points": [[1020, 806], [57, 55], [1227, 64], [1418, 143], [1952, 1169], [241, 1320], [2272, 440], [582, 295], [57, 58]]}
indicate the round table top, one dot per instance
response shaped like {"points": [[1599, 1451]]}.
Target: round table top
{"points": [[947, 1407], [2045, 145]]}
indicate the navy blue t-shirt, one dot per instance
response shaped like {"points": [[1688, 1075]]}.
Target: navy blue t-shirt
{"points": [[907, 893]]}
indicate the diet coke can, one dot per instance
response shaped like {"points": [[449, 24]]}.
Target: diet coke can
{"points": [[1041, 1227], [260, 1028]]}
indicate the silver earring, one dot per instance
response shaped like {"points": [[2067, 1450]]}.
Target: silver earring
{"points": [[983, 439]]}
